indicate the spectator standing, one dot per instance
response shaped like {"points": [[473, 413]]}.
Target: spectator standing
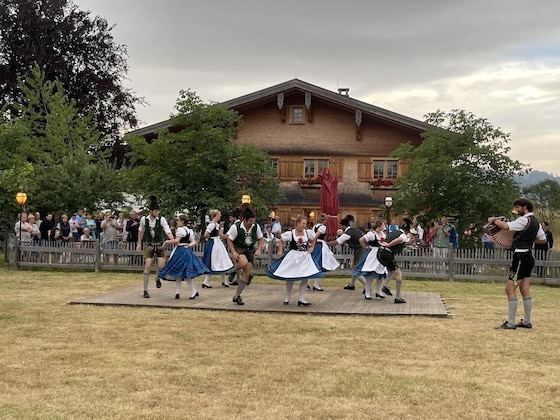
{"points": [[541, 250], [109, 239], [46, 228], [277, 227], [441, 238], [91, 225], [23, 228]]}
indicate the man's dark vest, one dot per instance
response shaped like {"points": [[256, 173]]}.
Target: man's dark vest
{"points": [[355, 235], [526, 238], [398, 248], [239, 241], [158, 231]]}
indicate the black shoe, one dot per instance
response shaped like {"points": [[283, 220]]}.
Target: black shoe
{"points": [[349, 287], [367, 297], [146, 294], [386, 290], [318, 289], [300, 303], [522, 325], [378, 296], [225, 284], [238, 300], [400, 300], [506, 326], [286, 303], [234, 283], [308, 287], [158, 283], [194, 296], [206, 286], [177, 296]]}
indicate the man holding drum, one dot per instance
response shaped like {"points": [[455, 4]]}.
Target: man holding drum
{"points": [[527, 231]]}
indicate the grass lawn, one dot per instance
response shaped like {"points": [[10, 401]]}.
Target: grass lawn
{"points": [[61, 361]]}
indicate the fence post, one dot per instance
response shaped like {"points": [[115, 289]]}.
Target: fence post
{"points": [[97, 257], [451, 262]]}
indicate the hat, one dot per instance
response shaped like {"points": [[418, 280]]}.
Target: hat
{"points": [[154, 204], [414, 231]]}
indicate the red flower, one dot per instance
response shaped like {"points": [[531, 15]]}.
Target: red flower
{"points": [[300, 240]]}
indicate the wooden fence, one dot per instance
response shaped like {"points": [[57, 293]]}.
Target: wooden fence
{"points": [[462, 264]]}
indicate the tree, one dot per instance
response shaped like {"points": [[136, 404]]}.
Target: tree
{"points": [[69, 45], [546, 195], [460, 168], [52, 152], [197, 167]]}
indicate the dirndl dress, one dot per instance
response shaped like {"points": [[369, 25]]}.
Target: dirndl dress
{"points": [[323, 257], [183, 262], [296, 264], [368, 265], [215, 256]]}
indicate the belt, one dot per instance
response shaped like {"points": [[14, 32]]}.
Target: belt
{"points": [[155, 243]]}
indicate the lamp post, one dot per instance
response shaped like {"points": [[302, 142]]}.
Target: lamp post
{"points": [[388, 205], [245, 199], [21, 199]]}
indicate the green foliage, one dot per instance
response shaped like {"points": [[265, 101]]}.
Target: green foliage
{"points": [[51, 152], [546, 196], [70, 45], [198, 167], [461, 168]]}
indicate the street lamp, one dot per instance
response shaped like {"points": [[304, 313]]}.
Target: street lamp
{"points": [[388, 205], [21, 199], [245, 199]]}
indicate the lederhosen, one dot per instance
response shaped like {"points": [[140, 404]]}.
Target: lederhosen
{"points": [[523, 263], [154, 244], [386, 255], [239, 244]]}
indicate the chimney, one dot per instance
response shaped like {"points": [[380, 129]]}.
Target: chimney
{"points": [[344, 91]]}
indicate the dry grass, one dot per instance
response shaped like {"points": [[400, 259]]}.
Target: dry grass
{"points": [[62, 361]]}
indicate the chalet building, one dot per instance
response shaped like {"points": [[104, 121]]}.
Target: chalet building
{"points": [[305, 128]]}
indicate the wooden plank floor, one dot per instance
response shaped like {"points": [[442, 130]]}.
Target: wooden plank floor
{"points": [[270, 298]]}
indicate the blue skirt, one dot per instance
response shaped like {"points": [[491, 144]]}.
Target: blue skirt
{"points": [[369, 266], [184, 264], [216, 257], [294, 266]]}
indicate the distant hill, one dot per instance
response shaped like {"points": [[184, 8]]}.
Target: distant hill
{"points": [[534, 178]]}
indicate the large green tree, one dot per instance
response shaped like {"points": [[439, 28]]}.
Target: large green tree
{"points": [[546, 195], [70, 45], [52, 152], [460, 168], [197, 167]]}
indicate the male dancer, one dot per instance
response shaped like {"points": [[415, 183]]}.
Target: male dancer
{"points": [[527, 231], [393, 244], [156, 228], [245, 241], [351, 236]]}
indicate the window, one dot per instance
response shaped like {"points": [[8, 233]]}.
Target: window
{"points": [[274, 164], [313, 167], [385, 169], [296, 115]]}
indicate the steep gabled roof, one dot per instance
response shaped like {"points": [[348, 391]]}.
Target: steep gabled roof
{"points": [[294, 85]]}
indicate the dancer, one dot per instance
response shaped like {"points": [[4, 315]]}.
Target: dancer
{"points": [[297, 263], [527, 231], [182, 263], [156, 229], [215, 256], [393, 244], [368, 265], [245, 241], [322, 254], [351, 235]]}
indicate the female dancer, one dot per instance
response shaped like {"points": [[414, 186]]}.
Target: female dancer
{"points": [[297, 263], [322, 254], [368, 265], [215, 257], [182, 263]]}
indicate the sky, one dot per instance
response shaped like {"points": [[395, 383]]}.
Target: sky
{"points": [[498, 59]]}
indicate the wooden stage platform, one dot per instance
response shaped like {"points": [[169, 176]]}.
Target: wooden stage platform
{"points": [[270, 298]]}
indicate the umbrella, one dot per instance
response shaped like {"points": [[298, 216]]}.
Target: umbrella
{"points": [[329, 200]]}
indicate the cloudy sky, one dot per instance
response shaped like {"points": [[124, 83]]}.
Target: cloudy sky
{"points": [[499, 59]]}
